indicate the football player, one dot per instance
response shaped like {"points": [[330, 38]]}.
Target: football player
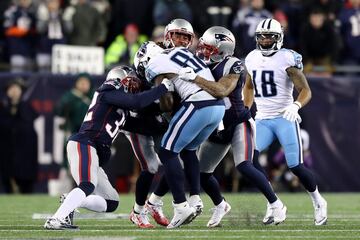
{"points": [[273, 72], [178, 33], [198, 116], [216, 48], [89, 149]]}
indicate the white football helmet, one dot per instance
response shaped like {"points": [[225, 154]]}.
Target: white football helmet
{"points": [[180, 26], [143, 55], [123, 76], [269, 28], [215, 44]]}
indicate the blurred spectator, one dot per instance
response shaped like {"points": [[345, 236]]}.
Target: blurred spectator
{"points": [[331, 8], [50, 29], [350, 31], [122, 50], [166, 10], [158, 34], [244, 26], [74, 104], [19, 27], [84, 24], [17, 131], [318, 43], [3, 50], [289, 41]]}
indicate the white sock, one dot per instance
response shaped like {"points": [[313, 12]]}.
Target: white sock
{"points": [[277, 203], [138, 208], [73, 200], [155, 199], [315, 196], [94, 203], [222, 203]]}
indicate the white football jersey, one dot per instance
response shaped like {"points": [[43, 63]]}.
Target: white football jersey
{"points": [[273, 89], [172, 62]]}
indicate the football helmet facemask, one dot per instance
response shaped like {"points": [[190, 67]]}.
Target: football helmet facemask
{"points": [[180, 26], [215, 44], [269, 36], [124, 76]]}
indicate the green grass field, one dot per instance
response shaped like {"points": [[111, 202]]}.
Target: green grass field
{"points": [[243, 222]]}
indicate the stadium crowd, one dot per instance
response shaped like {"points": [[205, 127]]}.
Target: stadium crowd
{"points": [[325, 32]]}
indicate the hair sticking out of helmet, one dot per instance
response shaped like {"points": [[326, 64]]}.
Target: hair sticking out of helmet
{"points": [[143, 55], [269, 36], [216, 44], [124, 76], [181, 27]]}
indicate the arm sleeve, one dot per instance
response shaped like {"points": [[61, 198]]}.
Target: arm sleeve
{"points": [[133, 101]]}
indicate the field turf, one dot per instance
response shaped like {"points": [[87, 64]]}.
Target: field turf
{"points": [[243, 222]]}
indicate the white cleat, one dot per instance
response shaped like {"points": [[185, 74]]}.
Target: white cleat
{"points": [[219, 212], [58, 224], [183, 214], [268, 218], [196, 202], [320, 213], [279, 214], [275, 214]]}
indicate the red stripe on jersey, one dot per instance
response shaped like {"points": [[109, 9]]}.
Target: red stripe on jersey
{"points": [[138, 151]]}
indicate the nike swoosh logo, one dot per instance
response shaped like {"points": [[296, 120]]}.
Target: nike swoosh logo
{"points": [[175, 223]]}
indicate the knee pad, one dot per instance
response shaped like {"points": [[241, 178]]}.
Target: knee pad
{"points": [[111, 205], [87, 187]]}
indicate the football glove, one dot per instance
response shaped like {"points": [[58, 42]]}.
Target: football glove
{"points": [[291, 112], [187, 74], [168, 84]]}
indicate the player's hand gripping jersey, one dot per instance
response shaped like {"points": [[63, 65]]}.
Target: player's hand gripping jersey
{"points": [[172, 62], [272, 86]]}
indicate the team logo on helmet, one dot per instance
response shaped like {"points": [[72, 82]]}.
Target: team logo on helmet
{"points": [[222, 37]]}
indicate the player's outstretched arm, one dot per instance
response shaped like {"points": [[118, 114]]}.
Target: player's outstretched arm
{"points": [[248, 92], [301, 85], [219, 89], [134, 101]]}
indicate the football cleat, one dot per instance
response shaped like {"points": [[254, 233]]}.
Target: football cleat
{"points": [[69, 219], [141, 219], [275, 214], [157, 213], [58, 224], [183, 214], [320, 213], [196, 202], [219, 212], [268, 218], [279, 214]]}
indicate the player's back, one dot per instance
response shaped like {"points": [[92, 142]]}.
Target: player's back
{"points": [[273, 88], [102, 121], [235, 109], [172, 62]]}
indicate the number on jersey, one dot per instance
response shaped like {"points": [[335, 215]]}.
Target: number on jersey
{"points": [[268, 86], [184, 60]]}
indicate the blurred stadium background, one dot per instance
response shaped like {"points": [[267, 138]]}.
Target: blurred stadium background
{"points": [[325, 32]]}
